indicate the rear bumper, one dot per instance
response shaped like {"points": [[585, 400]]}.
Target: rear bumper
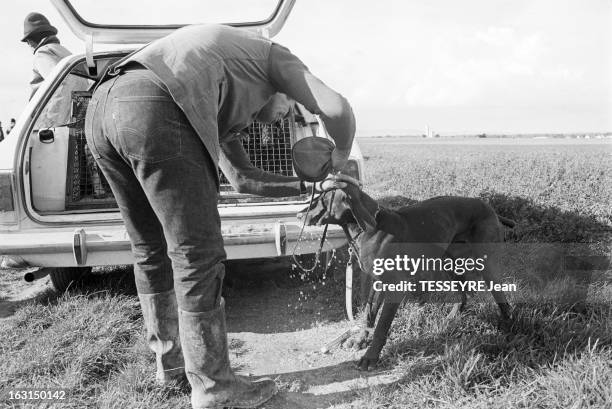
{"points": [[110, 245]]}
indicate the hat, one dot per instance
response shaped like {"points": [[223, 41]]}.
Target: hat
{"points": [[36, 23], [312, 158]]}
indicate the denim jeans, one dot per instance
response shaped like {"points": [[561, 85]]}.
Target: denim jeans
{"points": [[165, 185]]}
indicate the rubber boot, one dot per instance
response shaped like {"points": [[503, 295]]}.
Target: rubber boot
{"points": [[160, 314], [213, 383]]}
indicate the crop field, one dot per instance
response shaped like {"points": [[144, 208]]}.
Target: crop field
{"points": [[556, 353], [559, 190]]}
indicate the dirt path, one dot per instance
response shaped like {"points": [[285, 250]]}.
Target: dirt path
{"points": [[278, 332]]}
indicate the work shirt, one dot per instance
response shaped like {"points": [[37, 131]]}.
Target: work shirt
{"points": [[46, 56], [222, 76]]}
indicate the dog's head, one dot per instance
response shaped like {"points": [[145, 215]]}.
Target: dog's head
{"points": [[339, 206]]}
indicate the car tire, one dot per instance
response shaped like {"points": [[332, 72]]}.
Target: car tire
{"points": [[63, 277]]}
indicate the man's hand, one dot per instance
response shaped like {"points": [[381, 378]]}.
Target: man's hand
{"points": [[339, 159], [327, 184], [331, 183]]}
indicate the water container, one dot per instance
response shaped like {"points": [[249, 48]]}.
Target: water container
{"points": [[48, 171]]}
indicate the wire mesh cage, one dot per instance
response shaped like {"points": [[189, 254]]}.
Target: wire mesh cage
{"points": [[86, 185], [268, 147]]}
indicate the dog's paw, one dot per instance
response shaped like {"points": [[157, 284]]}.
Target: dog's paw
{"points": [[357, 341], [367, 363]]}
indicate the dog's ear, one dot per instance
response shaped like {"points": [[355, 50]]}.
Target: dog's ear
{"points": [[364, 219]]}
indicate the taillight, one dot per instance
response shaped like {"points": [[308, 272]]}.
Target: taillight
{"points": [[352, 169], [7, 203]]}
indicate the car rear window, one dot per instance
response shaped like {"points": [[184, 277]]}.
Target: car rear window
{"points": [[176, 12]]}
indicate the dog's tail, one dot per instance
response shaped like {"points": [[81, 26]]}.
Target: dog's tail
{"points": [[506, 222]]}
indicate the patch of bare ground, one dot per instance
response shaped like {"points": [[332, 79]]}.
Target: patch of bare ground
{"points": [[277, 329]]}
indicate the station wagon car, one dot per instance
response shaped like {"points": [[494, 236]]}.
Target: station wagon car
{"points": [[56, 209]]}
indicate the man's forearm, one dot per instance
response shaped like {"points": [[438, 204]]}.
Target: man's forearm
{"points": [[246, 178], [262, 183], [341, 125]]}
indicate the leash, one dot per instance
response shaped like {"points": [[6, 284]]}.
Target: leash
{"points": [[321, 242], [353, 251], [353, 254]]}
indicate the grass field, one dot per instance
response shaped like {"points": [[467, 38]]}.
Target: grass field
{"points": [[556, 354]]}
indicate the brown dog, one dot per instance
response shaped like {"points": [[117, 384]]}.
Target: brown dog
{"points": [[443, 227]]}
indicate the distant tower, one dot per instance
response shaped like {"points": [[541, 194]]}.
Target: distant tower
{"points": [[429, 132]]}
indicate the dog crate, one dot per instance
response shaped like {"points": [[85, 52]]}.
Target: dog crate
{"points": [[268, 147], [86, 186]]}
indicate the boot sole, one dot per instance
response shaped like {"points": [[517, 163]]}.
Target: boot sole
{"points": [[250, 405]]}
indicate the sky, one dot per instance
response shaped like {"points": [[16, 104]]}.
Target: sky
{"points": [[457, 67]]}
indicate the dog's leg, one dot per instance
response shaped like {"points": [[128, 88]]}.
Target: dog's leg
{"points": [[489, 275], [458, 307], [500, 299], [370, 358], [379, 297], [365, 285], [458, 249], [360, 339], [499, 296]]}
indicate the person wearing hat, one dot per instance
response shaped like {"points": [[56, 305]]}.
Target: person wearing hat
{"points": [[41, 36], [161, 124]]}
